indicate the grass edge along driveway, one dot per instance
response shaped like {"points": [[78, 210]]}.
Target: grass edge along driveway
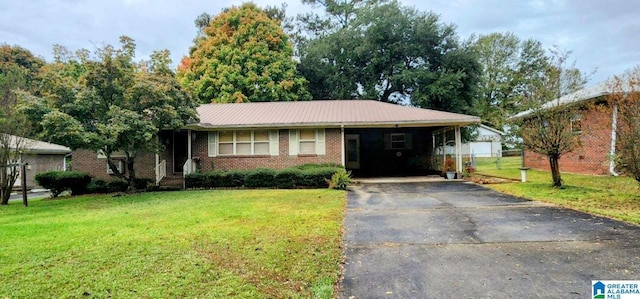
{"points": [[615, 197], [213, 244]]}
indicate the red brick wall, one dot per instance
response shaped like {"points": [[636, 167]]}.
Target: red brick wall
{"points": [[591, 157], [88, 161], [333, 154]]}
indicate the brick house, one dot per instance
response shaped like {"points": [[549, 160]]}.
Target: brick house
{"points": [[371, 138], [596, 128]]}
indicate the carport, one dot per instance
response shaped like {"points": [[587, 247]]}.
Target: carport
{"points": [[405, 147]]}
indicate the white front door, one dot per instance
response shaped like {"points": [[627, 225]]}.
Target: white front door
{"points": [[352, 150]]}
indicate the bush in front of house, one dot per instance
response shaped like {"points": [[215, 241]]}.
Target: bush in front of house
{"points": [[340, 180], [260, 178], [197, 180], [318, 177], [308, 175], [288, 178], [60, 181]]}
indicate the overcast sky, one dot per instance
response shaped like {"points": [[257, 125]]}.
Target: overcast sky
{"points": [[603, 35]]}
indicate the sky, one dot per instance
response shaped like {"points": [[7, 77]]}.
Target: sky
{"points": [[602, 35]]}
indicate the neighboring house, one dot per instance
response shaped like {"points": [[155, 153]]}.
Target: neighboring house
{"points": [[371, 138], [596, 129], [487, 143], [41, 156]]}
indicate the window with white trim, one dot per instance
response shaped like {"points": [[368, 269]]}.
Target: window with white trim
{"points": [[243, 143], [307, 142]]}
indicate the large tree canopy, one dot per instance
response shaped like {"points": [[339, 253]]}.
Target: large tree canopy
{"points": [[107, 102], [511, 68], [391, 53], [18, 71], [242, 56]]}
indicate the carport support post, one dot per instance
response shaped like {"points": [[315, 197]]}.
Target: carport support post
{"points": [[458, 150]]}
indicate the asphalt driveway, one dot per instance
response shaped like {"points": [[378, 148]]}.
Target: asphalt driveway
{"points": [[460, 240]]}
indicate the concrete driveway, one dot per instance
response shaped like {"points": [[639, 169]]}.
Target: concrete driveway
{"points": [[460, 240]]}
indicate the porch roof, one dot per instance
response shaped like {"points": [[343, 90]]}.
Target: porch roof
{"points": [[347, 113]]}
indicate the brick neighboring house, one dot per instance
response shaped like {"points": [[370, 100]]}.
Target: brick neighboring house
{"points": [[371, 138], [41, 156], [596, 129]]}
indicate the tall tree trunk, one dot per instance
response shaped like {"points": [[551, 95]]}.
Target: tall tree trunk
{"points": [[131, 178], [5, 189], [555, 170]]}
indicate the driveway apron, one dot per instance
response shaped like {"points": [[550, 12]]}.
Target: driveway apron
{"points": [[460, 240]]}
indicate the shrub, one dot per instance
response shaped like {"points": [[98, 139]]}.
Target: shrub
{"points": [[340, 180], [117, 186], [288, 178], [234, 178], [318, 177], [97, 186], [196, 180], [215, 178], [260, 177], [59, 181], [142, 183]]}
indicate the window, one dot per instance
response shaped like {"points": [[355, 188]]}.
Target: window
{"points": [[243, 143], [307, 142], [119, 165], [397, 141], [576, 124]]}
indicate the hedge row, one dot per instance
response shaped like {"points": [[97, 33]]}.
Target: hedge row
{"points": [[81, 183], [314, 176]]}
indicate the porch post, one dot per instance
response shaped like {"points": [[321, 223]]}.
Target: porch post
{"points": [[343, 150], [458, 150], [189, 144], [444, 147]]}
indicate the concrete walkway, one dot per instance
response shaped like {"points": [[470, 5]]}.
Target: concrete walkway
{"points": [[460, 240]]}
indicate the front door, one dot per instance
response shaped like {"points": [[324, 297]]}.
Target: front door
{"points": [[180, 148], [352, 150]]}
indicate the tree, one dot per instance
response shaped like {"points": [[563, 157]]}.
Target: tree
{"points": [[546, 129], [392, 53], [242, 56], [624, 98], [18, 71], [510, 68], [108, 103]]}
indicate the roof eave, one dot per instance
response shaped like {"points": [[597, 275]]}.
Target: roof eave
{"points": [[390, 124]]}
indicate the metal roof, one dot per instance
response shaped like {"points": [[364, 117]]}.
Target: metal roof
{"points": [[601, 89], [347, 113]]}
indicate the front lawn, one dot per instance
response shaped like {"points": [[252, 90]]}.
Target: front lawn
{"points": [[220, 244], [616, 197]]}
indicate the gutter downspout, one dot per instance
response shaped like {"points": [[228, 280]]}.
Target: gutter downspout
{"points": [[612, 153]]}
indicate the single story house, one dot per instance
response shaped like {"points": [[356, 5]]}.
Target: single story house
{"points": [[370, 138], [40, 157], [596, 129]]}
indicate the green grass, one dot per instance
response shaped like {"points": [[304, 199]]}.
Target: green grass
{"points": [[616, 197], [211, 244]]}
